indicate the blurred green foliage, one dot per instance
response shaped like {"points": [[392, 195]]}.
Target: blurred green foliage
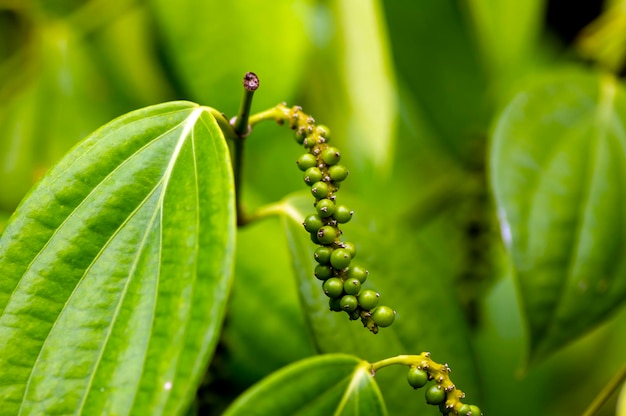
{"points": [[411, 91]]}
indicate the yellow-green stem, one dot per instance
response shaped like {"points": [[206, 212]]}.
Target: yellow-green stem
{"points": [[606, 393]]}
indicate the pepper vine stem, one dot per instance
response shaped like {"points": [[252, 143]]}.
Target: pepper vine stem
{"points": [[242, 129], [606, 393]]}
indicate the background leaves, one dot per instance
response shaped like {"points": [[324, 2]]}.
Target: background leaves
{"points": [[558, 177]]}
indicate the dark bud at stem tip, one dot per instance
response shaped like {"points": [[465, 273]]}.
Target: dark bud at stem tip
{"points": [[250, 81]]}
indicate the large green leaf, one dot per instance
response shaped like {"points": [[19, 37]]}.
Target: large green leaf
{"points": [[334, 384], [116, 268], [558, 171], [411, 277]]}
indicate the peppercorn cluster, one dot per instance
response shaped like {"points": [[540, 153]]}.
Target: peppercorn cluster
{"points": [[443, 393], [342, 280]]}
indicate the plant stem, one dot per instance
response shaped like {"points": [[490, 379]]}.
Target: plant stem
{"points": [[242, 129], [240, 123], [606, 392]]}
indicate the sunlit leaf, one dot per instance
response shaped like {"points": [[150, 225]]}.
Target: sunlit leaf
{"points": [[333, 384], [559, 174], [116, 268]]}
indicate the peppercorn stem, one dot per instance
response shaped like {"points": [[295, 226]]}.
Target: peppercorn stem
{"points": [[279, 113], [400, 359], [606, 392], [240, 123]]}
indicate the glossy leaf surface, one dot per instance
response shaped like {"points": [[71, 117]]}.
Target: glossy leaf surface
{"points": [[116, 268], [334, 384], [559, 176]]}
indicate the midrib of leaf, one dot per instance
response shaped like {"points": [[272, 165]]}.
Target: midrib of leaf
{"points": [[355, 381], [602, 121], [187, 131], [162, 183]]}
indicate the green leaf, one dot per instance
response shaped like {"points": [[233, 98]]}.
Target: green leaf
{"points": [[334, 384], [559, 179], [410, 276], [116, 268], [211, 44]]}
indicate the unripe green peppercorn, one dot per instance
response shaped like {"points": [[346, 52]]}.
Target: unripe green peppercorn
{"points": [[342, 214], [325, 208], [333, 287], [352, 286], [300, 135], [322, 255], [435, 395], [326, 234], [331, 156], [312, 175], [313, 223], [368, 299], [323, 131], [358, 272], [338, 173], [465, 410], [306, 161], [384, 316], [351, 248], [314, 239], [323, 272], [320, 190], [417, 377], [475, 410], [340, 258], [349, 303], [335, 304]]}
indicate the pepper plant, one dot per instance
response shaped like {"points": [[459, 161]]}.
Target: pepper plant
{"points": [[431, 223]]}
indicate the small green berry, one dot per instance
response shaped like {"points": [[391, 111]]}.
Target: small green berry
{"points": [[475, 411], [300, 135], [335, 304], [465, 410], [338, 173], [358, 272], [333, 287], [417, 377], [352, 286], [351, 248], [325, 208], [306, 161], [312, 175], [322, 255], [314, 239], [323, 272], [342, 214], [340, 258], [349, 303], [326, 234], [384, 316], [323, 131], [331, 156], [435, 395], [444, 409], [313, 223], [320, 190], [368, 299]]}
